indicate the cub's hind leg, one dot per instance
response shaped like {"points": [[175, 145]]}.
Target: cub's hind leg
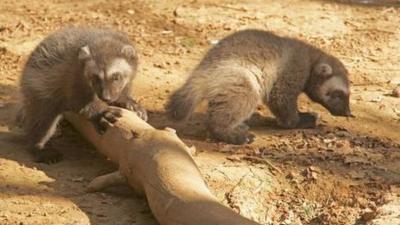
{"points": [[228, 109]]}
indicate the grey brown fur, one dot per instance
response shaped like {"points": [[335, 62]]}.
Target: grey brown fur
{"points": [[67, 72], [252, 67]]}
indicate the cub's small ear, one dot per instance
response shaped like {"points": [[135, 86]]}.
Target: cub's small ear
{"points": [[323, 69], [128, 51], [84, 53]]}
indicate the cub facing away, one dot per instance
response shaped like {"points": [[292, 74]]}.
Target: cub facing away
{"points": [[76, 69], [251, 67]]}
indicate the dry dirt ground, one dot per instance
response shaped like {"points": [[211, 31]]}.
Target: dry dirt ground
{"points": [[343, 172]]}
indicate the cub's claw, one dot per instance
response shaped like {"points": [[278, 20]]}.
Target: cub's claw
{"points": [[107, 119], [142, 113], [132, 105]]}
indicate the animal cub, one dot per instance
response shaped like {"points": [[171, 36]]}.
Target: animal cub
{"points": [[254, 66], [76, 69]]}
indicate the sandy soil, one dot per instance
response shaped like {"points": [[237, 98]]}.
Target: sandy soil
{"points": [[343, 172]]}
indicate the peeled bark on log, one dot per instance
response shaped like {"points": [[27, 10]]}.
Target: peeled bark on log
{"points": [[158, 164]]}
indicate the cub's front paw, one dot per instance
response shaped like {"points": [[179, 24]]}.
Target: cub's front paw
{"points": [[107, 119], [141, 112], [307, 120], [46, 155], [132, 105], [94, 110]]}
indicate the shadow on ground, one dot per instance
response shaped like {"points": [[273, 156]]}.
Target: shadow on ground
{"points": [[70, 177]]}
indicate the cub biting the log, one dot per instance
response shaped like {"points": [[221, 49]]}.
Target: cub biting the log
{"points": [[75, 69]]}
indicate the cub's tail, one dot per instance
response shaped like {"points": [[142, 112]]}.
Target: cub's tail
{"points": [[183, 102]]}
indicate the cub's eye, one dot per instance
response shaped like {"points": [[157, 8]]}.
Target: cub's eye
{"points": [[96, 77], [116, 76], [337, 94]]}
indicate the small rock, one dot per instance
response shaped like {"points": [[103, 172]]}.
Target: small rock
{"points": [[395, 80], [339, 145], [165, 32], [396, 92], [159, 65], [257, 151], [192, 150], [291, 175], [314, 169], [178, 11], [368, 215], [131, 11], [233, 158], [330, 137], [359, 98], [377, 99], [214, 42], [328, 141], [342, 133], [311, 173]]}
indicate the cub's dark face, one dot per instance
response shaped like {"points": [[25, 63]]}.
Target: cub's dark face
{"points": [[334, 95], [329, 86], [108, 76]]}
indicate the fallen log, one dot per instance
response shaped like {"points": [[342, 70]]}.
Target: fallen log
{"points": [[158, 164]]}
